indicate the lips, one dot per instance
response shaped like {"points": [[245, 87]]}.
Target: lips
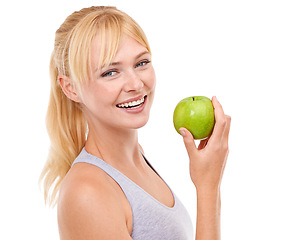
{"points": [[132, 103]]}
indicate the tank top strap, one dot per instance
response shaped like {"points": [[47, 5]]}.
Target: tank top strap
{"points": [[120, 178]]}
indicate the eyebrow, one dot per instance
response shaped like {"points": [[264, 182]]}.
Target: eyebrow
{"points": [[136, 57]]}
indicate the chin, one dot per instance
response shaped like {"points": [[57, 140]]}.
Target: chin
{"points": [[139, 124]]}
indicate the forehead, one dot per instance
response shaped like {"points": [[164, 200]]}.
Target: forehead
{"points": [[129, 47], [103, 52]]}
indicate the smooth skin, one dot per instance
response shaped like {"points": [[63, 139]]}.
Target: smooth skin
{"points": [[91, 204]]}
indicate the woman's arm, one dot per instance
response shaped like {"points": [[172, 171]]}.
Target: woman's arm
{"points": [[207, 163]]}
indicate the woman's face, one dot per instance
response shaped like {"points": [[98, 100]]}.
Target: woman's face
{"points": [[120, 95]]}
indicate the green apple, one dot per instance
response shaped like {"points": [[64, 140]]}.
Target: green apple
{"points": [[196, 114]]}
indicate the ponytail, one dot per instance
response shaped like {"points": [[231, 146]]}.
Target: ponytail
{"points": [[66, 126]]}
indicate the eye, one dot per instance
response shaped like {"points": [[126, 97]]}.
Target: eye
{"points": [[109, 74], [143, 63]]}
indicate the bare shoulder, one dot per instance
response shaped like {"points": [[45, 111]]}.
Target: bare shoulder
{"points": [[89, 206]]}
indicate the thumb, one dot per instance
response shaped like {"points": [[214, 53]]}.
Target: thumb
{"points": [[188, 142]]}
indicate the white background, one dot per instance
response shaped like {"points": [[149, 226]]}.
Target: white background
{"points": [[236, 50]]}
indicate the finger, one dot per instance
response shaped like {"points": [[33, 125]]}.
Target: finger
{"points": [[188, 142], [220, 119]]}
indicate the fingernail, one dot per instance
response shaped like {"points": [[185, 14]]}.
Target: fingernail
{"points": [[182, 132]]}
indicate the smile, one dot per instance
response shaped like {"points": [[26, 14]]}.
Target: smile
{"points": [[133, 104]]}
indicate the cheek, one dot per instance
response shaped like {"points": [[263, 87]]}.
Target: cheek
{"points": [[150, 79], [90, 96], [100, 96]]}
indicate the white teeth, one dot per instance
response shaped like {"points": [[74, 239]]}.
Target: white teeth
{"points": [[131, 104]]}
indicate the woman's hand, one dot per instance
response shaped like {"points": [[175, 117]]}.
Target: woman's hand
{"points": [[207, 162]]}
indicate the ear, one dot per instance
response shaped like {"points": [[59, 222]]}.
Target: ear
{"points": [[68, 88]]}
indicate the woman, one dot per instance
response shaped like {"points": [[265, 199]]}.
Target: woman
{"points": [[102, 90]]}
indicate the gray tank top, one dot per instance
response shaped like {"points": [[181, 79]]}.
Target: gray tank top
{"points": [[152, 220]]}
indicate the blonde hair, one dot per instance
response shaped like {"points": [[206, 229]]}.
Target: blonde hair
{"points": [[66, 123]]}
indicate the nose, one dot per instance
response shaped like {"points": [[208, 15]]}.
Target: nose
{"points": [[133, 82]]}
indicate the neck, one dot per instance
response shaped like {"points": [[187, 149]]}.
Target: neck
{"points": [[116, 147]]}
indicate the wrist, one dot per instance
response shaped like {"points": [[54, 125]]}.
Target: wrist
{"points": [[209, 198], [208, 190]]}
